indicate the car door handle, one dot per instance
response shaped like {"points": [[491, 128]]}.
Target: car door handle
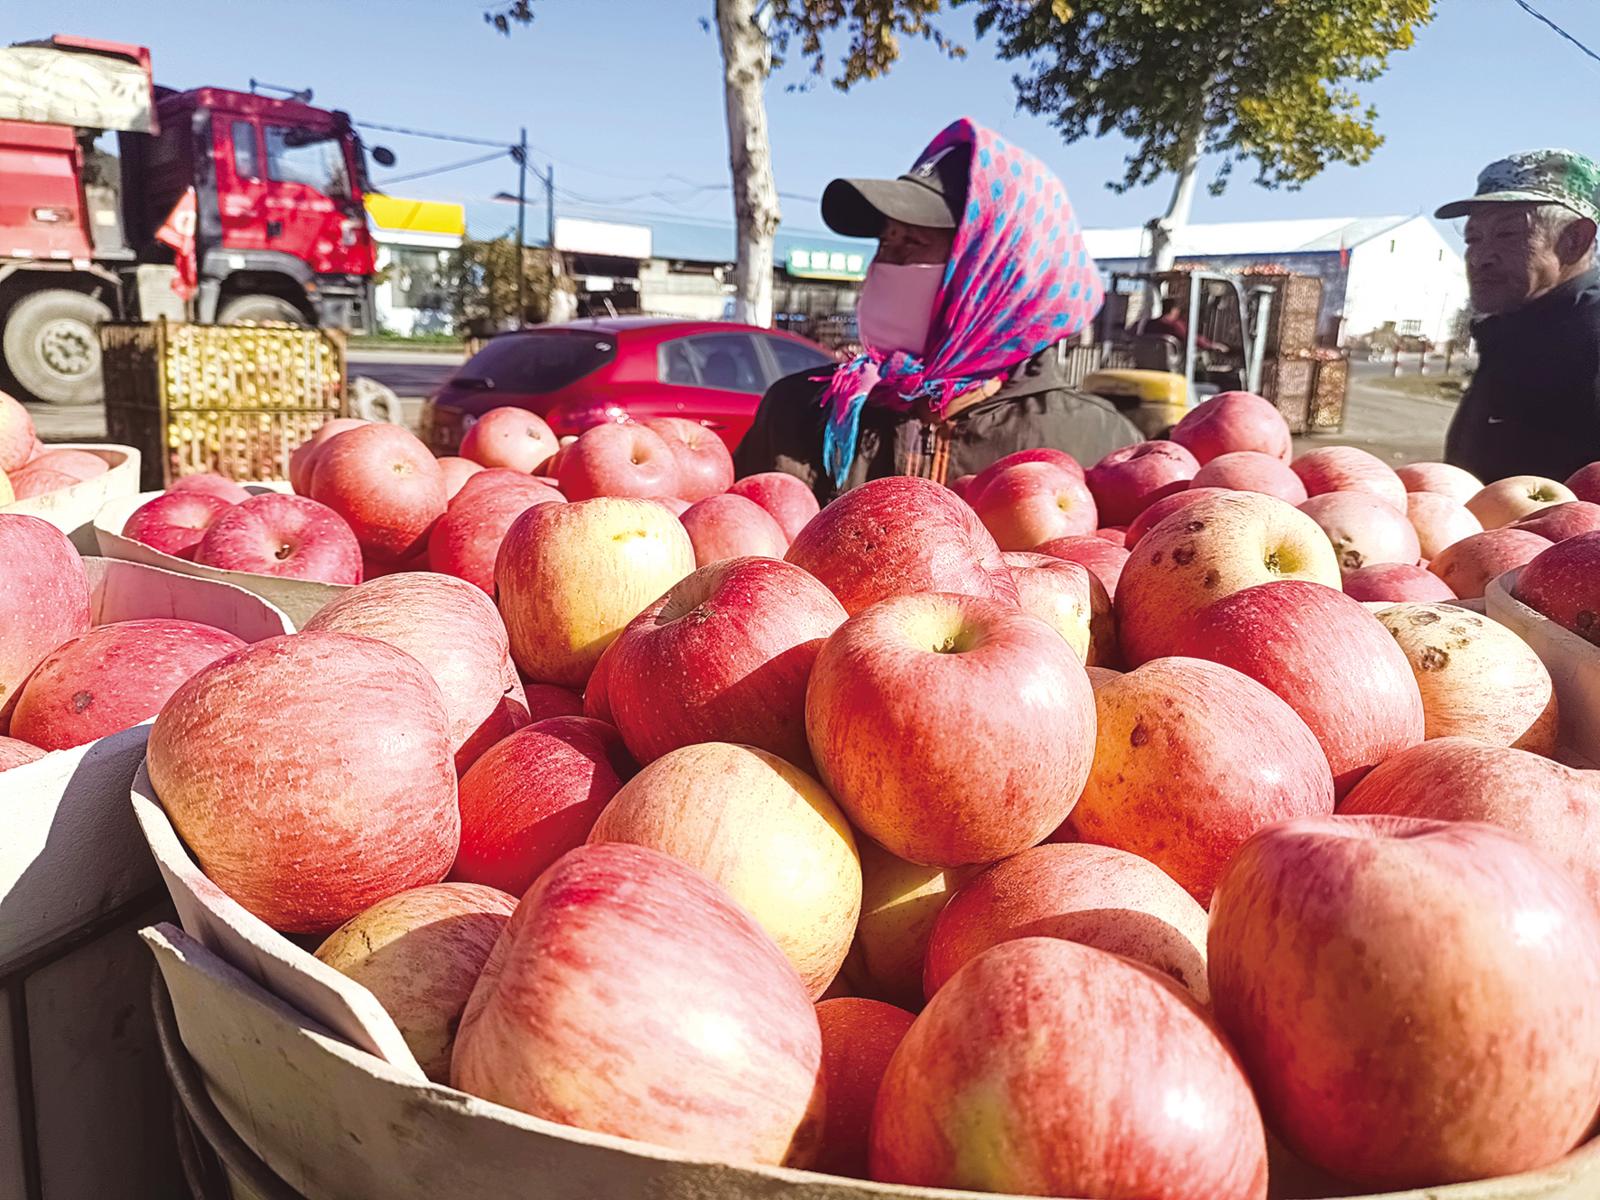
{"points": [[274, 229]]}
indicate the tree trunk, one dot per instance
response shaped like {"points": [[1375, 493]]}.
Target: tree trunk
{"points": [[1164, 230], [746, 63]]}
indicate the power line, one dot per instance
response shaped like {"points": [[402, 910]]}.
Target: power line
{"points": [[438, 137], [455, 166], [1539, 16]]}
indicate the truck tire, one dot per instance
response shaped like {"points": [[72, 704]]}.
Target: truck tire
{"points": [[260, 308], [52, 346]]}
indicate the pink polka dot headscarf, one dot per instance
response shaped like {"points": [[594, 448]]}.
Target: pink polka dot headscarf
{"points": [[1019, 279]]}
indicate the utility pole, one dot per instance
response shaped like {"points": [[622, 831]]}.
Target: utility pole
{"points": [[521, 156]]}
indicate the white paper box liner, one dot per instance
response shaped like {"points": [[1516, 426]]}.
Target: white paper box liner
{"points": [[72, 509], [1573, 663]]}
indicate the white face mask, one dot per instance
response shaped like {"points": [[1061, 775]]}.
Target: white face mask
{"points": [[895, 309]]}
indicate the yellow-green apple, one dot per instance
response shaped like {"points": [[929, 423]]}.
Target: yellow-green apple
{"points": [[722, 527], [509, 437], [900, 901], [175, 522], [1067, 597], [1362, 704], [1325, 950], [859, 1037], [465, 541], [1103, 558], [287, 536], [1233, 422], [1468, 565], [569, 577], [1190, 759], [386, 484], [1013, 710], [211, 484], [1127, 481], [44, 599], [111, 678], [1363, 529], [761, 828], [454, 631], [304, 456], [788, 500], [897, 536], [1096, 895], [420, 953], [296, 799], [1348, 469], [1252, 471], [1439, 521], [1476, 677], [1034, 502], [531, 798], [1164, 507], [1442, 479], [1584, 483], [1506, 501], [632, 996], [705, 467], [1206, 551], [1552, 806], [724, 656], [618, 460], [16, 434], [456, 472], [6, 494], [1054, 1069], [1558, 522], [14, 752], [1394, 583], [1563, 583]]}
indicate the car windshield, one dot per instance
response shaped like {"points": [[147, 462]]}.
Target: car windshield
{"points": [[534, 363]]}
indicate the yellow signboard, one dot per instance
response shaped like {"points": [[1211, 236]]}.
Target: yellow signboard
{"points": [[417, 216]]}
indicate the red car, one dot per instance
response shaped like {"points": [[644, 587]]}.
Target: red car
{"points": [[589, 372]]}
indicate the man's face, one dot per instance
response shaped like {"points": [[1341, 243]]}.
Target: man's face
{"points": [[1510, 259]]}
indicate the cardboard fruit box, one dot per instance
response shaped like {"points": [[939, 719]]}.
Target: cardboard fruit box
{"points": [[72, 509]]}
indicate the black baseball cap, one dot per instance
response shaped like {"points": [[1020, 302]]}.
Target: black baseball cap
{"points": [[932, 193]]}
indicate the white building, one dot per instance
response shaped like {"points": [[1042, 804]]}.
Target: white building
{"points": [[1375, 270], [413, 241]]}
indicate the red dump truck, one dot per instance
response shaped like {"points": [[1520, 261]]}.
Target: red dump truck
{"points": [[121, 199]]}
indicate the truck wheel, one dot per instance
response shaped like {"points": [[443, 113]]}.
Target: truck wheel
{"points": [[52, 346], [260, 308]]}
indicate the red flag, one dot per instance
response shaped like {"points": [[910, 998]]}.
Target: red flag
{"points": [[177, 231]]}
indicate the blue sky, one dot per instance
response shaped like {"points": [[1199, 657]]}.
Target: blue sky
{"points": [[624, 96]]}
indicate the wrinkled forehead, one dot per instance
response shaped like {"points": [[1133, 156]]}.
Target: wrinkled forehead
{"points": [[1496, 218]]}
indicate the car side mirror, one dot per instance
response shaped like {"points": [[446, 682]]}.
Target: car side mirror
{"points": [[383, 156]]}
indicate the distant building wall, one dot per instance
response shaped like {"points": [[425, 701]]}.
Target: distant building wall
{"points": [[1410, 276]]}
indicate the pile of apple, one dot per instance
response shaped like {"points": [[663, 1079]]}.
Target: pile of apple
{"points": [[27, 469]]}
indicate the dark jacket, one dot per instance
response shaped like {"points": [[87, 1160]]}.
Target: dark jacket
{"points": [[1534, 404], [1033, 408]]}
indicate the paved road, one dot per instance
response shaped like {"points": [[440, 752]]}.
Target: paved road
{"points": [[407, 372]]}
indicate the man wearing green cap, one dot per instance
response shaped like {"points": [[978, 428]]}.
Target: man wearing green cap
{"points": [[1534, 404]]}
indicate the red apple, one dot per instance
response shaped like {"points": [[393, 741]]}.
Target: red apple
{"points": [[386, 484], [1506, 501], [1034, 502], [1104, 558], [456, 472], [304, 456], [1585, 483], [1231, 423], [900, 535], [726, 527], [1442, 479], [859, 1037], [1054, 1069], [597, 689], [1394, 583], [705, 467], [1009, 698], [1439, 521], [175, 522], [678, 507], [632, 972], [466, 540], [1070, 599], [1096, 895], [80, 464], [1163, 508], [619, 460], [960, 486], [1206, 551], [1126, 482], [761, 828], [569, 577], [209, 483], [1329, 658], [1563, 583], [16, 434], [1363, 529], [420, 953], [1252, 471], [1347, 469], [1551, 806], [311, 775], [789, 501], [546, 700], [1558, 522], [1468, 565], [454, 631], [509, 437], [531, 798], [1117, 535], [1190, 759], [287, 536], [16, 753], [1325, 951], [724, 656], [44, 598], [34, 480], [1044, 454]]}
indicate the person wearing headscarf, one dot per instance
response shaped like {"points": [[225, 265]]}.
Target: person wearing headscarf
{"points": [[981, 271]]}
